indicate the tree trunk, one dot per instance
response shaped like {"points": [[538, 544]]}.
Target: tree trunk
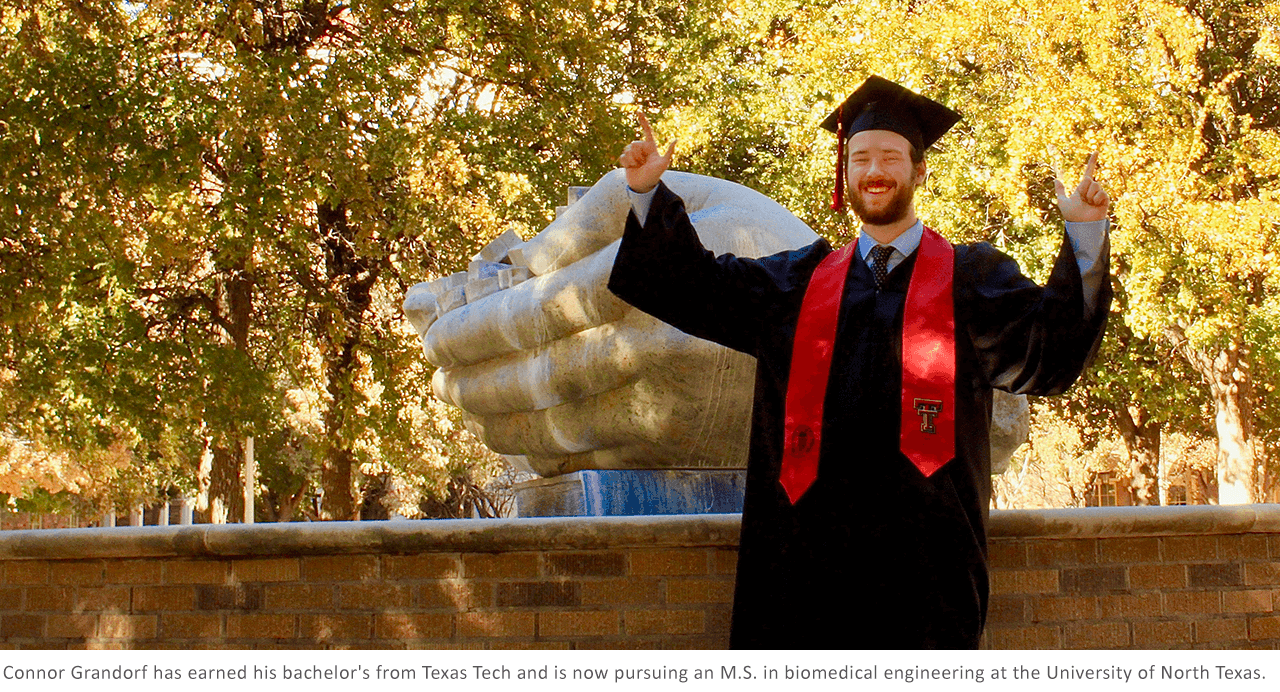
{"points": [[351, 277], [233, 310], [1226, 372], [1142, 442]]}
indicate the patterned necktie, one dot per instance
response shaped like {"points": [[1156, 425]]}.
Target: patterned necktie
{"points": [[880, 263]]}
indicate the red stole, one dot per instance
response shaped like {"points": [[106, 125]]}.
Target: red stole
{"points": [[928, 428]]}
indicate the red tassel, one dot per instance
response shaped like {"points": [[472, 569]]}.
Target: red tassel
{"points": [[837, 196]]}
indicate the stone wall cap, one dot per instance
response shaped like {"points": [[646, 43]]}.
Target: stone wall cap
{"points": [[574, 533], [1143, 521], [384, 537]]}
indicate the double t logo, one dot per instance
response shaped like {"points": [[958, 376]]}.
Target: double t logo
{"points": [[928, 409]]}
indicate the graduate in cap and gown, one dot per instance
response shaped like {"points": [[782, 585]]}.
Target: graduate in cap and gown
{"points": [[868, 479]]}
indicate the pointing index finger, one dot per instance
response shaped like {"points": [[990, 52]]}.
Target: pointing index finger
{"points": [[1091, 165], [648, 129]]}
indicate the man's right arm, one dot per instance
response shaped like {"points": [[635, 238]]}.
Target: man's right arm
{"points": [[663, 269]]}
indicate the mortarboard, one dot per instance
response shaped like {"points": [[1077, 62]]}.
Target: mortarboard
{"points": [[880, 104]]}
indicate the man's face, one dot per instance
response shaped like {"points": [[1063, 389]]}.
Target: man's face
{"points": [[881, 178]]}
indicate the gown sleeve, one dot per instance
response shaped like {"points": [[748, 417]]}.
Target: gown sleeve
{"points": [[1029, 339], [663, 269]]}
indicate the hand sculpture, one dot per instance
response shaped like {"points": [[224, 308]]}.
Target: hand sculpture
{"points": [[558, 370], [560, 375]]}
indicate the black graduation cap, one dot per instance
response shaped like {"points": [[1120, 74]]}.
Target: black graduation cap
{"points": [[880, 104]]}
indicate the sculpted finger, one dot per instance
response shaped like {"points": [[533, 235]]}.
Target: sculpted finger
{"points": [[580, 365], [530, 314]]}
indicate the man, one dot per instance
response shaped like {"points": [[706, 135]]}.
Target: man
{"points": [[868, 482]]}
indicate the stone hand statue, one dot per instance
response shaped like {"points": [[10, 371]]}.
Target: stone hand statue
{"points": [[557, 370], [552, 370]]}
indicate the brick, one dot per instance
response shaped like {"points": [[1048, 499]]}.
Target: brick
{"points": [[1273, 546], [1262, 573], [1215, 574], [500, 565], [537, 594], [1157, 577], [374, 596], [298, 596], [682, 591], [190, 626], [1251, 601], [1007, 610], [673, 562], [148, 598], [57, 598], [491, 624], [596, 564], [195, 572], [21, 626], [334, 568], [623, 592], [1264, 628], [133, 571], [1192, 603], [724, 561], [1049, 609], [1006, 553], [11, 598], [1149, 635], [1221, 630], [102, 598], [1128, 606], [719, 618], [1051, 553], [117, 626], [430, 566], [1252, 547], [664, 621], [1015, 581], [26, 572], [67, 626], [454, 595], [261, 626], [1129, 550], [333, 626], [1231, 547], [238, 597], [578, 623], [1108, 635], [1025, 637], [413, 626], [1189, 548], [1093, 579], [77, 573], [285, 569]]}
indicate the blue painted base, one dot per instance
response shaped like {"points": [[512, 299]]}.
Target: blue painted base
{"points": [[631, 493]]}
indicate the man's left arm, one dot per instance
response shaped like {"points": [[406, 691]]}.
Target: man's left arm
{"points": [[1089, 243], [1033, 339]]}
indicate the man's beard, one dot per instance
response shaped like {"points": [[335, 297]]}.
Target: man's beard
{"points": [[893, 212]]}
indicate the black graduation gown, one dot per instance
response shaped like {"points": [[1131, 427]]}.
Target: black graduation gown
{"points": [[874, 555]]}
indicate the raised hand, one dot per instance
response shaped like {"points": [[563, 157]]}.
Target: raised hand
{"points": [[1088, 202], [641, 160]]}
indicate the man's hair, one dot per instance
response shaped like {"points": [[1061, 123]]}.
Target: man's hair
{"points": [[917, 155]]}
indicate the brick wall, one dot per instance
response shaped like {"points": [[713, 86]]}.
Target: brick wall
{"points": [[1143, 578], [1098, 578]]}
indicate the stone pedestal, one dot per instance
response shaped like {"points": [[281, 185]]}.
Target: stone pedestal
{"points": [[598, 493]]}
